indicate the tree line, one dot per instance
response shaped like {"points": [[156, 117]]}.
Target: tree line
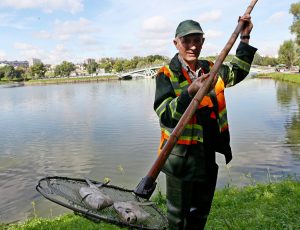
{"points": [[109, 65]]}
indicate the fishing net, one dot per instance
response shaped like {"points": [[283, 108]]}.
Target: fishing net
{"points": [[65, 191]]}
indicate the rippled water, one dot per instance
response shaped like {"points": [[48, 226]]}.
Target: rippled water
{"points": [[109, 129]]}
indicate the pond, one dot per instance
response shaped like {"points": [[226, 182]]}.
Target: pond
{"points": [[109, 129]]}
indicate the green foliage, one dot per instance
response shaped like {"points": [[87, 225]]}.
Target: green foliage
{"points": [[119, 64], [92, 67], [2, 73], [295, 27], [287, 53], [258, 206], [264, 61], [37, 70], [106, 64], [8, 72], [64, 69]]}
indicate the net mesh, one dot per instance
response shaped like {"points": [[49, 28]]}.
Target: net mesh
{"points": [[65, 191]]}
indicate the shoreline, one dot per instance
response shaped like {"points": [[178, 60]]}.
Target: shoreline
{"points": [[255, 206], [65, 80], [292, 77]]}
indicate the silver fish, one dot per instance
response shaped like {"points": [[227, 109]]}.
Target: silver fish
{"points": [[131, 212], [92, 196]]}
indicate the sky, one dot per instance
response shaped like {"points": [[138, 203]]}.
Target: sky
{"points": [[74, 30]]}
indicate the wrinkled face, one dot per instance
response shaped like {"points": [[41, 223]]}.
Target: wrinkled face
{"points": [[189, 47]]}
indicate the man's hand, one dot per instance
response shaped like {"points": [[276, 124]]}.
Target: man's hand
{"points": [[247, 27], [199, 83]]}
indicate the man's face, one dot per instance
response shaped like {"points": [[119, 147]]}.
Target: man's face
{"points": [[189, 47]]}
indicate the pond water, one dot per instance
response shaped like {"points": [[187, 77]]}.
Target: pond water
{"points": [[109, 129]]}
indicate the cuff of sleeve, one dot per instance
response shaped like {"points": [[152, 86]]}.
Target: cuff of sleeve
{"points": [[245, 52]]}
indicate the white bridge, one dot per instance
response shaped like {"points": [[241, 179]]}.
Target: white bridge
{"points": [[149, 72]]}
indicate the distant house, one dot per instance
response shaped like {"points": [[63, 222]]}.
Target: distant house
{"points": [[15, 64], [34, 61]]}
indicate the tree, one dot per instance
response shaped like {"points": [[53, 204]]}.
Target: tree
{"points": [[20, 73], [287, 53], [64, 69], [9, 72], [2, 73], [118, 66], [257, 60], [92, 67], [37, 70], [107, 66], [295, 27]]}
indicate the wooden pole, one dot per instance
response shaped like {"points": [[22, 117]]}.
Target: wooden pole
{"points": [[147, 185]]}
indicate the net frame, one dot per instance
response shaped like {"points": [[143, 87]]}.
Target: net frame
{"points": [[65, 192]]}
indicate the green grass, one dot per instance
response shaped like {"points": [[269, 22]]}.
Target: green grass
{"points": [[69, 80], [61, 80], [290, 77], [261, 206]]}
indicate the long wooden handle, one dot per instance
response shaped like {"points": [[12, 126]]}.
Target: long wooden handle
{"points": [[190, 111]]}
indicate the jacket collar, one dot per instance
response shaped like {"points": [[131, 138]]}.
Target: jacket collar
{"points": [[176, 66]]}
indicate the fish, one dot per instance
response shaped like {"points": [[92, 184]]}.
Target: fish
{"points": [[93, 197], [130, 211]]}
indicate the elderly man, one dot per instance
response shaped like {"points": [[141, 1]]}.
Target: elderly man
{"points": [[191, 169]]}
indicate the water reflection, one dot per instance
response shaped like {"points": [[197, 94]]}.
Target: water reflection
{"points": [[260, 113], [288, 96], [109, 129]]}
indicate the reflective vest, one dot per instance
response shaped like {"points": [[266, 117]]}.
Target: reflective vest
{"points": [[193, 132]]}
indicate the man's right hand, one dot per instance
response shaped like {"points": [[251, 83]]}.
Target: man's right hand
{"points": [[199, 83]]}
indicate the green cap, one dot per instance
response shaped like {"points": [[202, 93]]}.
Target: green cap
{"points": [[188, 27]]}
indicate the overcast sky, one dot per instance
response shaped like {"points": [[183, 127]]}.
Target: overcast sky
{"points": [[73, 30]]}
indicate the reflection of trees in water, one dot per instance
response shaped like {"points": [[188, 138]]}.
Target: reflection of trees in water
{"points": [[288, 96]]}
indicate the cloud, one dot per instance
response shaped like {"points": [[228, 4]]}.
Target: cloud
{"points": [[277, 17], [155, 35], [59, 54], [11, 20], [66, 30], [53, 56], [213, 15], [28, 51], [49, 6], [210, 49], [213, 34]]}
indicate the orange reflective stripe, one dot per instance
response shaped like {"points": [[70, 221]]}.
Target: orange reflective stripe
{"points": [[206, 101], [165, 71], [186, 75]]}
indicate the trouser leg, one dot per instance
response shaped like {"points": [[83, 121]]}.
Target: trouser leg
{"points": [[201, 200], [177, 203], [188, 203]]}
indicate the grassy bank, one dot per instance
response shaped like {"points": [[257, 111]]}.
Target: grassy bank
{"points": [[47, 81], [290, 77], [69, 80], [260, 206]]}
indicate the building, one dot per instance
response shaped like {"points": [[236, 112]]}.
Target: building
{"points": [[15, 64], [34, 61], [89, 61]]}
